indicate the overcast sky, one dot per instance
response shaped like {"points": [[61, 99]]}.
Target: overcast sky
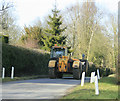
{"points": [[29, 10]]}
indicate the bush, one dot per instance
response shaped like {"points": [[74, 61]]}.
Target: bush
{"points": [[25, 61], [103, 71], [92, 68]]}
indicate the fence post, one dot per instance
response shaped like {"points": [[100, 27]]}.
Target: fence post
{"points": [[92, 79], [12, 73], [3, 73], [83, 77], [93, 76], [96, 86], [98, 74]]}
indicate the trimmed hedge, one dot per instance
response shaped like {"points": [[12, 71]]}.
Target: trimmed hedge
{"points": [[26, 62]]}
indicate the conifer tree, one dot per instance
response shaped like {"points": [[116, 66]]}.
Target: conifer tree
{"points": [[54, 32]]}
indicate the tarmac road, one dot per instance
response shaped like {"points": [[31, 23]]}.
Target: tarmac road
{"points": [[44, 88]]}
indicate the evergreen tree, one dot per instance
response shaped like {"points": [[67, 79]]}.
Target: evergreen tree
{"points": [[54, 32]]}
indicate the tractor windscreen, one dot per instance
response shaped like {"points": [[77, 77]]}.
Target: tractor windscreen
{"points": [[58, 52]]}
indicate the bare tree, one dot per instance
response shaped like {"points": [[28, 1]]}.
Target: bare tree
{"points": [[7, 21], [82, 24], [4, 14]]}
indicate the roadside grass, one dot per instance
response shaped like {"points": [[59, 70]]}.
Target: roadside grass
{"points": [[8, 79], [107, 90], [67, 75]]}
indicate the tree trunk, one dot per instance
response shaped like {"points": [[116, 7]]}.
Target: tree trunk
{"points": [[89, 45]]}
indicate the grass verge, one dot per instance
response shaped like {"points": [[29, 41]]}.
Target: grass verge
{"points": [[8, 79], [67, 75], [107, 90]]}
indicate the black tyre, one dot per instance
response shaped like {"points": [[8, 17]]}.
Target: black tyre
{"points": [[59, 75], [77, 72], [52, 73]]}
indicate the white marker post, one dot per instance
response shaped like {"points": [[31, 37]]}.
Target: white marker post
{"points": [[96, 86], [92, 79], [83, 77], [98, 74], [93, 76], [12, 73], [3, 73]]}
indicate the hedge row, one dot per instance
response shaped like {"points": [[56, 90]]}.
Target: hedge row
{"points": [[25, 61], [29, 62], [103, 71]]}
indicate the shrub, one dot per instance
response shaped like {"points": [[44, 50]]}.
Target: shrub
{"points": [[92, 68], [25, 61], [103, 71]]}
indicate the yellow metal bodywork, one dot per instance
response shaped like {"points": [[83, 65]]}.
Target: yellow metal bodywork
{"points": [[76, 64], [63, 64], [52, 63]]}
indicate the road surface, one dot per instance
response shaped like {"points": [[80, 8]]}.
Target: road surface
{"points": [[44, 88]]}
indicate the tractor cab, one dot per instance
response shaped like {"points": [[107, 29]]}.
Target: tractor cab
{"points": [[58, 51]]}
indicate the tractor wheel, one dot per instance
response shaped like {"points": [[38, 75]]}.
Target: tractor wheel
{"points": [[59, 75], [52, 73], [77, 72]]}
